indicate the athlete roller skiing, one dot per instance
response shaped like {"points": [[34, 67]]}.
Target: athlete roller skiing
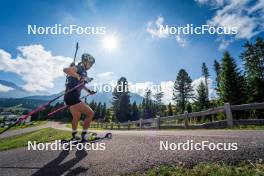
{"points": [[77, 75]]}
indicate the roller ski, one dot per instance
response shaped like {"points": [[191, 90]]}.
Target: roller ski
{"points": [[93, 137]]}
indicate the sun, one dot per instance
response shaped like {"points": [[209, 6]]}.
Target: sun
{"points": [[110, 43]]}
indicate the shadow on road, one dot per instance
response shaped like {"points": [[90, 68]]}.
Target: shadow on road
{"points": [[55, 168]]}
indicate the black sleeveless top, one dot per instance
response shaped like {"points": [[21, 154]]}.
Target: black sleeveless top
{"points": [[72, 81]]}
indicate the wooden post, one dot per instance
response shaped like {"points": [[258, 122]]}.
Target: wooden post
{"points": [[186, 119], [106, 125], [118, 125], [128, 125], [158, 122], [112, 126], [140, 123], [229, 116]]}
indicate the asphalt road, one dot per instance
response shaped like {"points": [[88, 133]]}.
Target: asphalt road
{"points": [[132, 151]]}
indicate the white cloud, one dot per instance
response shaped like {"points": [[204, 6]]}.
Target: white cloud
{"points": [[181, 41], [143, 87], [246, 15], [167, 88], [201, 1], [153, 27], [258, 6], [224, 43], [106, 77], [196, 82], [4, 88], [36, 66], [213, 3]]}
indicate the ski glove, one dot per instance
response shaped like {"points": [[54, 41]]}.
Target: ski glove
{"points": [[86, 79], [92, 92]]}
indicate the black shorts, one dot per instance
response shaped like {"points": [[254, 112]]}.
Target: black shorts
{"points": [[72, 98]]}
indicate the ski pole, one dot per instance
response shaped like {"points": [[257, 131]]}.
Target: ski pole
{"points": [[74, 58], [49, 102], [56, 110], [76, 49], [41, 107]]}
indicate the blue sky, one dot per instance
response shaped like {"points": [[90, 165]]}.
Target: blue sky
{"points": [[139, 55]]}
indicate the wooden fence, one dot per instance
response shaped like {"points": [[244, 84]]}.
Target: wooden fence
{"points": [[160, 122]]}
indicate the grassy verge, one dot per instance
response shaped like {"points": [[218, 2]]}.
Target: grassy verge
{"points": [[208, 169], [43, 135], [20, 126], [40, 136], [237, 127]]}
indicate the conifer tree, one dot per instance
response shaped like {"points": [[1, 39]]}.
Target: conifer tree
{"points": [[121, 101], [183, 90], [231, 81]]}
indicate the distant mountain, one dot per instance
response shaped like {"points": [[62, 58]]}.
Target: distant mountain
{"points": [[32, 102], [43, 97], [23, 103], [16, 92]]}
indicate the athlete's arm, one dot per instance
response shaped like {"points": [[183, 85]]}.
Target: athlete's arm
{"points": [[72, 71]]}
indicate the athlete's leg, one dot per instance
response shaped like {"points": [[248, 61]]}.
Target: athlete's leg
{"points": [[85, 109], [75, 119], [89, 116]]}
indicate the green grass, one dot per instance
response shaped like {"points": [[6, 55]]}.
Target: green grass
{"points": [[43, 135], [20, 126], [240, 127], [69, 125], [208, 169], [40, 136]]}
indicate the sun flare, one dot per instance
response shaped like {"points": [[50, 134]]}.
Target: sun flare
{"points": [[110, 43]]}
